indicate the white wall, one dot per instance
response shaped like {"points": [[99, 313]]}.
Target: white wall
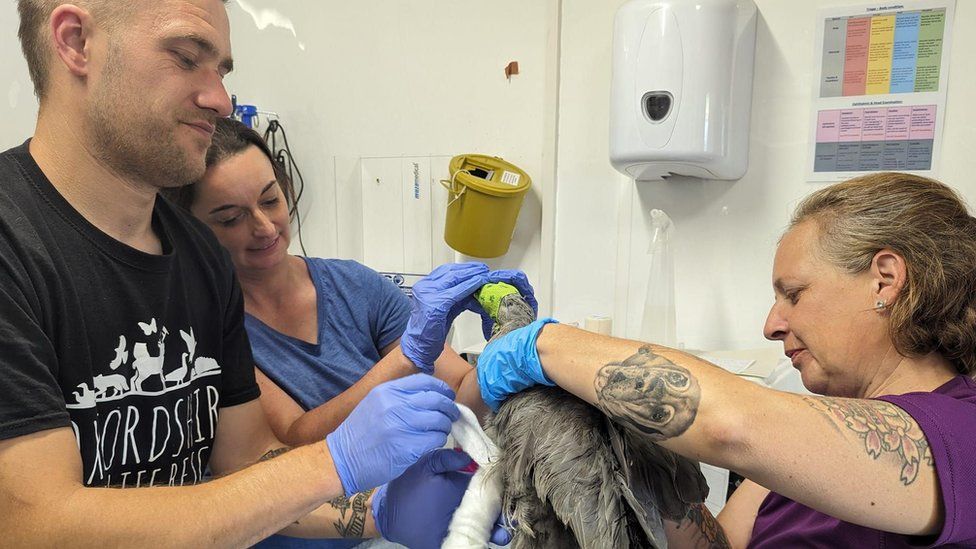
{"points": [[391, 78], [382, 78], [18, 107], [725, 231], [379, 79]]}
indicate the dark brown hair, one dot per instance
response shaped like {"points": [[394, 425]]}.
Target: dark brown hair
{"points": [[231, 138]]}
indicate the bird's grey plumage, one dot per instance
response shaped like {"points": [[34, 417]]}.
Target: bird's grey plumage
{"points": [[573, 478]]}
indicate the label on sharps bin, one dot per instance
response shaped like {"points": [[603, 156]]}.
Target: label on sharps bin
{"points": [[511, 178]]}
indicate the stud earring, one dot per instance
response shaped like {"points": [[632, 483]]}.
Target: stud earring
{"points": [[879, 304]]}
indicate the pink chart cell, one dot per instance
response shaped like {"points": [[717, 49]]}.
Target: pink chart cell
{"points": [[850, 125], [828, 126], [873, 125], [897, 123], [923, 122]]}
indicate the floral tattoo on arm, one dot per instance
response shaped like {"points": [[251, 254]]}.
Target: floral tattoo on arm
{"points": [[707, 529], [883, 427], [649, 393]]}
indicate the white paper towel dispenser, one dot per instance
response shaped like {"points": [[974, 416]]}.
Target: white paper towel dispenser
{"points": [[681, 89]]}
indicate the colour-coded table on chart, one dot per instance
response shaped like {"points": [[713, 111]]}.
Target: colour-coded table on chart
{"points": [[871, 139], [894, 52]]}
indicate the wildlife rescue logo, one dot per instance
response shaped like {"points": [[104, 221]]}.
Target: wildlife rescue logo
{"points": [[148, 419]]}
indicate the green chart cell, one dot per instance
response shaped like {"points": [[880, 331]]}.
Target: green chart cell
{"points": [[930, 31]]}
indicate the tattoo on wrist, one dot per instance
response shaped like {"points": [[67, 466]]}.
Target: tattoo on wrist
{"points": [[271, 454], [356, 524], [707, 527], [883, 427], [649, 393]]}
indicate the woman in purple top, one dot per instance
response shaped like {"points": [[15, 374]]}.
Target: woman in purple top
{"points": [[875, 304]]}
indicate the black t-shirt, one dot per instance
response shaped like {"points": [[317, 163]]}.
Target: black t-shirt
{"points": [[135, 352]]}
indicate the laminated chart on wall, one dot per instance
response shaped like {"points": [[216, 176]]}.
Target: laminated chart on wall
{"points": [[880, 95]]}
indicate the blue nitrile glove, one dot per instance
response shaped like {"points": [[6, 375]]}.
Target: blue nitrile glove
{"points": [[510, 364], [416, 508], [521, 283], [396, 423], [437, 300]]}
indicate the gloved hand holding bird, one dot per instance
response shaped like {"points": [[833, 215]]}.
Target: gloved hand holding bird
{"points": [[565, 474]]}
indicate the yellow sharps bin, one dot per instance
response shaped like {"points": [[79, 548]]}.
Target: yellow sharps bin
{"points": [[484, 197]]}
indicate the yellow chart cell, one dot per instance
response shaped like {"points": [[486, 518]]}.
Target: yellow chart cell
{"points": [[879, 54]]}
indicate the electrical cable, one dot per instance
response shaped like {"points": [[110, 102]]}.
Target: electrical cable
{"points": [[287, 160]]}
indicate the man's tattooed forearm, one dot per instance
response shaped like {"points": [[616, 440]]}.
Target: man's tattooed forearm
{"points": [[649, 393], [271, 454], [711, 533], [356, 524], [883, 427]]}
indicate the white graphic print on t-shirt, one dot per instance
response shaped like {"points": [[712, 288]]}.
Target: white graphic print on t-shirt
{"points": [[146, 365], [148, 441]]}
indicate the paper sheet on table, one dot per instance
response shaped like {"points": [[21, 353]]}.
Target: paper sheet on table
{"points": [[733, 365], [718, 487]]}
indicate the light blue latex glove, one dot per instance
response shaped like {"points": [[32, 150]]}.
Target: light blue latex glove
{"points": [[437, 300], [513, 277], [396, 423], [510, 364], [416, 508]]}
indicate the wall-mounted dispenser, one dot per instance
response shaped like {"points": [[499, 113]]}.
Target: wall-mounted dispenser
{"points": [[681, 89]]}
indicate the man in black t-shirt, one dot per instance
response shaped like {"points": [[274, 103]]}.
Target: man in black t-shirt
{"points": [[123, 357]]}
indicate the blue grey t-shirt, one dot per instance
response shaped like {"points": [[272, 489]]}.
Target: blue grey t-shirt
{"points": [[359, 313]]}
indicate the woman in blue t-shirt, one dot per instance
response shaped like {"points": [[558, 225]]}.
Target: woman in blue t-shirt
{"points": [[323, 331]]}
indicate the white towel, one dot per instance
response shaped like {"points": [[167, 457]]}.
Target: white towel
{"points": [[475, 517]]}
